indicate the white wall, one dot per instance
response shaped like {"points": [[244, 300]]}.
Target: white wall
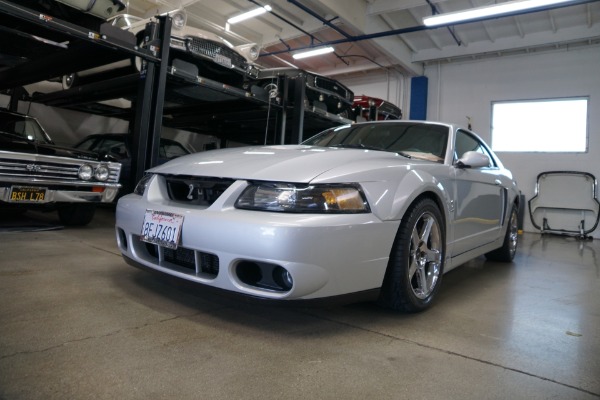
{"points": [[457, 90]]}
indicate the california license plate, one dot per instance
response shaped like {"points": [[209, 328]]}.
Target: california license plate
{"points": [[162, 228], [27, 194], [221, 59]]}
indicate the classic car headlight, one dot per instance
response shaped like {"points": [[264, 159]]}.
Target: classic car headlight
{"points": [[286, 197], [85, 172], [140, 188], [179, 19], [253, 52], [101, 173]]}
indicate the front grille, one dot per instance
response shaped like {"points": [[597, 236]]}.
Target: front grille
{"points": [[51, 170], [211, 49], [333, 86], [41, 170], [181, 256], [207, 263], [196, 190]]}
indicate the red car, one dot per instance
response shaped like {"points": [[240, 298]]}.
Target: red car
{"points": [[373, 109]]}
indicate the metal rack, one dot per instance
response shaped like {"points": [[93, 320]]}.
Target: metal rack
{"points": [[164, 93]]}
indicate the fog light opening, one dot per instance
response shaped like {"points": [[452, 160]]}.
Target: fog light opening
{"points": [[283, 278], [249, 273], [122, 239], [264, 276]]}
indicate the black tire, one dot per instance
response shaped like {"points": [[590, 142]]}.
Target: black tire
{"points": [[507, 252], [76, 214], [416, 264]]}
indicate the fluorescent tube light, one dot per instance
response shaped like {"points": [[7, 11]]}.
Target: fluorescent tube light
{"points": [[250, 14], [488, 11], [312, 53]]}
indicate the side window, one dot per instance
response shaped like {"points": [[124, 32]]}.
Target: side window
{"points": [[466, 142]]}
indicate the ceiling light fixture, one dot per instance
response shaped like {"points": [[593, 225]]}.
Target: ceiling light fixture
{"points": [[489, 11], [250, 14], [312, 53]]}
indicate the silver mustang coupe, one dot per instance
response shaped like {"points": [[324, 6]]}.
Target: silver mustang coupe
{"points": [[376, 210]]}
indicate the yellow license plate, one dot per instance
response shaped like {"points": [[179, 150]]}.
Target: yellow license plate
{"points": [[23, 194]]}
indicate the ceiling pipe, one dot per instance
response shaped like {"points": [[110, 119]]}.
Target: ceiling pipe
{"points": [[419, 28]]}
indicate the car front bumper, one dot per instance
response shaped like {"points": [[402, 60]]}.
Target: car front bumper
{"points": [[326, 255], [57, 193]]}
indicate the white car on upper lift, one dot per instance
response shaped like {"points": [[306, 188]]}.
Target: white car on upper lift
{"points": [[204, 53], [379, 209]]}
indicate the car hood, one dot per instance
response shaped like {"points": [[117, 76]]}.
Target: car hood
{"points": [[292, 163], [9, 143]]}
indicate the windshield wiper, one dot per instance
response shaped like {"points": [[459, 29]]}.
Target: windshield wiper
{"points": [[357, 146], [403, 154]]}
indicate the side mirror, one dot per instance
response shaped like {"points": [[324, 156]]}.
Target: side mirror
{"points": [[473, 159]]}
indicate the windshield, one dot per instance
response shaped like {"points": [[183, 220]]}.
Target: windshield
{"points": [[169, 149], [419, 140], [23, 127]]}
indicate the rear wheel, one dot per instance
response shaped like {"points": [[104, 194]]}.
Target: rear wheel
{"points": [[507, 252], [76, 214], [415, 268]]}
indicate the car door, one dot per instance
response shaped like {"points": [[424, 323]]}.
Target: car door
{"points": [[479, 198]]}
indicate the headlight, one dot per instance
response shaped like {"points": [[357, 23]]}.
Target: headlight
{"points": [[179, 19], [285, 197], [86, 172], [253, 52], [101, 173], [140, 188]]}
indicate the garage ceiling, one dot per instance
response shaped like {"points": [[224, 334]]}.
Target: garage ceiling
{"points": [[296, 24]]}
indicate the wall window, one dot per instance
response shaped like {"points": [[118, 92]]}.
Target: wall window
{"points": [[552, 125]]}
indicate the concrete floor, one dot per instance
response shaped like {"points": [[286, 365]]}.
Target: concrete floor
{"points": [[76, 322]]}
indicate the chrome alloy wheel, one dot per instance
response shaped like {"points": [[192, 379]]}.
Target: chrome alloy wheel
{"points": [[425, 255], [513, 233]]}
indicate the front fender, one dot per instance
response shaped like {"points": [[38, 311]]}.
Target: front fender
{"points": [[390, 201]]}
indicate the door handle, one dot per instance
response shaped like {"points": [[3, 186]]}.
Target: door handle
{"points": [[498, 182]]}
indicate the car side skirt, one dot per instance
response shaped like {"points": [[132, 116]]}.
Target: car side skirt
{"points": [[460, 259]]}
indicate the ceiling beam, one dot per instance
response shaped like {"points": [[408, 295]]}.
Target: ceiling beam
{"points": [[540, 39], [379, 7], [352, 12]]}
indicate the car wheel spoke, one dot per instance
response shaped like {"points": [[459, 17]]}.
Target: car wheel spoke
{"points": [[426, 256]]}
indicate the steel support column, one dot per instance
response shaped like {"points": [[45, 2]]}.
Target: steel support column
{"points": [[150, 102]]}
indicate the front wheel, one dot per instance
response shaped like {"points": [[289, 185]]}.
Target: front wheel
{"points": [[416, 263]]}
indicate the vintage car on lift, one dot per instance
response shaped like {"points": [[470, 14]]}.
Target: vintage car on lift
{"points": [[367, 108], [321, 94], [380, 209], [194, 52], [37, 174]]}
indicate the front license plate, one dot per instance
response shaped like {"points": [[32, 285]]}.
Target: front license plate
{"points": [[26, 194], [162, 228], [221, 59]]}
